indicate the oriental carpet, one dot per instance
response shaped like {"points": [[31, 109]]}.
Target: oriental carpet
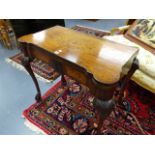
{"points": [[69, 110]]}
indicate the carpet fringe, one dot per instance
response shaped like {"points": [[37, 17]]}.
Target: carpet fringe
{"points": [[39, 131], [34, 127], [20, 67]]}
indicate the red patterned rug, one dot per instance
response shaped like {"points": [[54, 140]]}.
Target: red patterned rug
{"points": [[42, 70], [91, 31], [69, 110]]}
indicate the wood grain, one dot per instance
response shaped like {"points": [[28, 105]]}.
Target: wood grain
{"points": [[102, 58]]}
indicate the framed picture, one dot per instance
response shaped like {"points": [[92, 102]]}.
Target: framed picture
{"points": [[142, 32]]}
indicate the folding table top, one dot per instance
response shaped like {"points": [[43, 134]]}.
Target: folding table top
{"points": [[102, 58]]}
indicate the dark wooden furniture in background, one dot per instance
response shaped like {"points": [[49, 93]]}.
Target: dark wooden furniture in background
{"points": [[11, 29], [4, 33], [26, 26], [98, 63], [22, 27]]}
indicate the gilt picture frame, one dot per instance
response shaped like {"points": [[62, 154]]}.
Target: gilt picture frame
{"points": [[142, 32]]}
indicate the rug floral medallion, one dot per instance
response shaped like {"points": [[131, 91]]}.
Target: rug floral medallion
{"points": [[69, 110]]}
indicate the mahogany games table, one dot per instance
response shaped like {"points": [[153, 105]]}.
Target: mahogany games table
{"points": [[102, 65]]}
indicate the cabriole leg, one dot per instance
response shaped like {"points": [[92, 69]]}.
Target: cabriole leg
{"points": [[26, 63], [104, 108]]}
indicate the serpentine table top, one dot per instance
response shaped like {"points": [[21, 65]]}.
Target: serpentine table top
{"points": [[101, 58]]}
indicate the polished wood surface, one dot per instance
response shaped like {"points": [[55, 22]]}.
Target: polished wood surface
{"points": [[102, 58]]}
